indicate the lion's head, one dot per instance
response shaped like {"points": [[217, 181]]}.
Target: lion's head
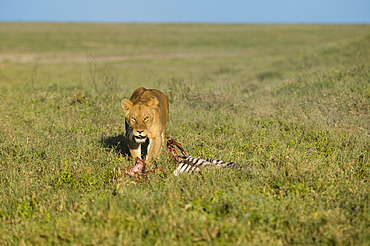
{"points": [[140, 117]]}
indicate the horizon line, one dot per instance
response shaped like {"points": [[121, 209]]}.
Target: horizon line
{"points": [[190, 22]]}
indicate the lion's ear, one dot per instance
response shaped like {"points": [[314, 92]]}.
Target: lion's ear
{"points": [[153, 102], [126, 105]]}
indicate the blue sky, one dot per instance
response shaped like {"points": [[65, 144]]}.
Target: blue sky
{"points": [[188, 11]]}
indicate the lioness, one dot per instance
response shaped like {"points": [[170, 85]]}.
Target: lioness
{"points": [[146, 114]]}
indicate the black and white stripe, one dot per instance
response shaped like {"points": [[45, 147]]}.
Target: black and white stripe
{"points": [[191, 164]]}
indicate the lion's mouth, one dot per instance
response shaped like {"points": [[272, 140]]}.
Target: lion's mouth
{"points": [[140, 137]]}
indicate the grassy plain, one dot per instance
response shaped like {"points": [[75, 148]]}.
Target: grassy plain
{"points": [[292, 101]]}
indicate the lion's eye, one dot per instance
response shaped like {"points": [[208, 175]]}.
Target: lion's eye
{"points": [[133, 119], [146, 118]]}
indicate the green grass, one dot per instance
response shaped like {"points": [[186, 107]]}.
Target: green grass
{"points": [[292, 101]]}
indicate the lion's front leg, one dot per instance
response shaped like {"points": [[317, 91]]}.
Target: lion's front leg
{"points": [[136, 152], [135, 148], [154, 147]]}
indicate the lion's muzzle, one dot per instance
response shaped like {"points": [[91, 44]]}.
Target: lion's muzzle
{"points": [[140, 137]]}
